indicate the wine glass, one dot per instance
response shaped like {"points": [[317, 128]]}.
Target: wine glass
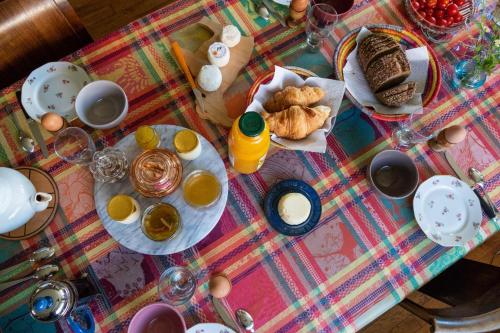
{"points": [[176, 285], [406, 135], [321, 18]]}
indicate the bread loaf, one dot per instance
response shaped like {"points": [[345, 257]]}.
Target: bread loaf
{"points": [[385, 66], [373, 47], [398, 95]]}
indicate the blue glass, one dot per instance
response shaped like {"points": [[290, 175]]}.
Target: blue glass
{"points": [[468, 75]]}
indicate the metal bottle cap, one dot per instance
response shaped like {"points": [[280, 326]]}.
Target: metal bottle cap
{"points": [[52, 300]]}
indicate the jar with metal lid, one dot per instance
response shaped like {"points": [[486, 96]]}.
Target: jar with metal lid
{"points": [[53, 300]]}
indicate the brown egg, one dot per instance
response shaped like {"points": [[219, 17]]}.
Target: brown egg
{"points": [[52, 121], [455, 134], [219, 286]]}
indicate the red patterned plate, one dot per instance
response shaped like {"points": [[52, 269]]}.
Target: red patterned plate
{"points": [[407, 40]]}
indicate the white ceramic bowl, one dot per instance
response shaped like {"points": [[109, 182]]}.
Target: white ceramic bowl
{"points": [[101, 104]]}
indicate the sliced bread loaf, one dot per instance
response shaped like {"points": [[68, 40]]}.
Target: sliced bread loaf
{"points": [[398, 95], [388, 71], [373, 47]]}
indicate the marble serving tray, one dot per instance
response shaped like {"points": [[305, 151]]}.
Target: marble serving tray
{"points": [[196, 223]]}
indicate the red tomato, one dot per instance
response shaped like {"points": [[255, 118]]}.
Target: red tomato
{"points": [[442, 4], [429, 13], [458, 18], [438, 13], [459, 2], [452, 10], [430, 3], [431, 19], [422, 13], [416, 5], [442, 22]]}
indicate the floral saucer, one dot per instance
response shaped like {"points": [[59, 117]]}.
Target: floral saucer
{"points": [[447, 210], [210, 328], [53, 87]]}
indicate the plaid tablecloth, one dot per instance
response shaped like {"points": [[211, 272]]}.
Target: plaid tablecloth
{"points": [[365, 255]]}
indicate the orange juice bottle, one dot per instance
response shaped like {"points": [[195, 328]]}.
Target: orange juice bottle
{"points": [[249, 142]]}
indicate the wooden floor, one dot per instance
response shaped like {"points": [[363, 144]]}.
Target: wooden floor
{"points": [[398, 320], [101, 17]]}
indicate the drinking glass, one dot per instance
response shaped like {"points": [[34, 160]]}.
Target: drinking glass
{"points": [[405, 136], [75, 146], [321, 18], [177, 285]]}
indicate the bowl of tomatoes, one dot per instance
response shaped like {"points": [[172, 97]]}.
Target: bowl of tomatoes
{"points": [[439, 19]]}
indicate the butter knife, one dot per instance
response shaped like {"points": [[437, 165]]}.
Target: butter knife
{"points": [[33, 125], [490, 212], [274, 12], [224, 314]]}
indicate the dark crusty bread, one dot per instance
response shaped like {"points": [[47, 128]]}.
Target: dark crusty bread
{"points": [[373, 47], [397, 95], [388, 71]]}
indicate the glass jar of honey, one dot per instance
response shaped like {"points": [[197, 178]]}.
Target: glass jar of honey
{"points": [[161, 221], [201, 189], [156, 172]]}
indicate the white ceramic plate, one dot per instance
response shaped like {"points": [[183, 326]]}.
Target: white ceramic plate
{"points": [[447, 210], [195, 223], [53, 88], [210, 328]]}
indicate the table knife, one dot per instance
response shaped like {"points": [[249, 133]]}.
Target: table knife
{"points": [[490, 212], [185, 69], [33, 125], [224, 314], [274, 12]]}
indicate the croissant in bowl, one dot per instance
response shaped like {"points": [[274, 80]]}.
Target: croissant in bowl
{"points": [[297, 122]]}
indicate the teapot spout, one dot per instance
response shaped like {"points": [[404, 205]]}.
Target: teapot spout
{"points": [[40, 200]]}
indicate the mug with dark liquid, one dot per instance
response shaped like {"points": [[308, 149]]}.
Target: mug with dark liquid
{"points": [[393, 174]]}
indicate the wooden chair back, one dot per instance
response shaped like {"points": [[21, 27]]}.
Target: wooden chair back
{"points": [[34, 32]]}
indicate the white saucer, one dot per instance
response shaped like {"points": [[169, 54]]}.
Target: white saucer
{"points": [[210, 328], [53, 87], [447, 210]]}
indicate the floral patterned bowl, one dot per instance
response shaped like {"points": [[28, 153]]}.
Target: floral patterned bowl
{"points": [[447, 210]]}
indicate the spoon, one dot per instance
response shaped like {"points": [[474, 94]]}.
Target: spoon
{"points": [[37, 256], [42, 272], [26, 142], [478, 178], [245, 320]]}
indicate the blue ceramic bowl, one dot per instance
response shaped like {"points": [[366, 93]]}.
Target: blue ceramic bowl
{"points": [[271, 207]]}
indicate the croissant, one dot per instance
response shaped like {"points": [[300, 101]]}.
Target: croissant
{"points": [[289, 96], [296, 122]]}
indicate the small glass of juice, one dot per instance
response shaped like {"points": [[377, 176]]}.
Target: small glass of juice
{"points": [[201, 189], [161, 221], [147, 137]]}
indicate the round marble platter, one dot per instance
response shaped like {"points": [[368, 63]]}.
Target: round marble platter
{"points": [[195, 223]]}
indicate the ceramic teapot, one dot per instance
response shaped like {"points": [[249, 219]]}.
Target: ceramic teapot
{"points": [[19, 200]]}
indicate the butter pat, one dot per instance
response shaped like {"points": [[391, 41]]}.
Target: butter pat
{"points": [[230, 35], [294, 208], [218, 54]]}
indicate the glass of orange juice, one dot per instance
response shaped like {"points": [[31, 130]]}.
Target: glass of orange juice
{"points": [[147, 137]]}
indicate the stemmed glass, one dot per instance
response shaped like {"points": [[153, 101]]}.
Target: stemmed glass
{"points": [[405, 136], [321, 19], [177, 285], [75, 146]]}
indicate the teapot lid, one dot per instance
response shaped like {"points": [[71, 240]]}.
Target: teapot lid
{"points": [[52, 300]]}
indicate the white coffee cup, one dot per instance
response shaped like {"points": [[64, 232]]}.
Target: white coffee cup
{"points": [[101, 104]]}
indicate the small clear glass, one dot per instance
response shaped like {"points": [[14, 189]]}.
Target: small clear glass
{"points": [[176, 285], [75, 146], [321, 18]]}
